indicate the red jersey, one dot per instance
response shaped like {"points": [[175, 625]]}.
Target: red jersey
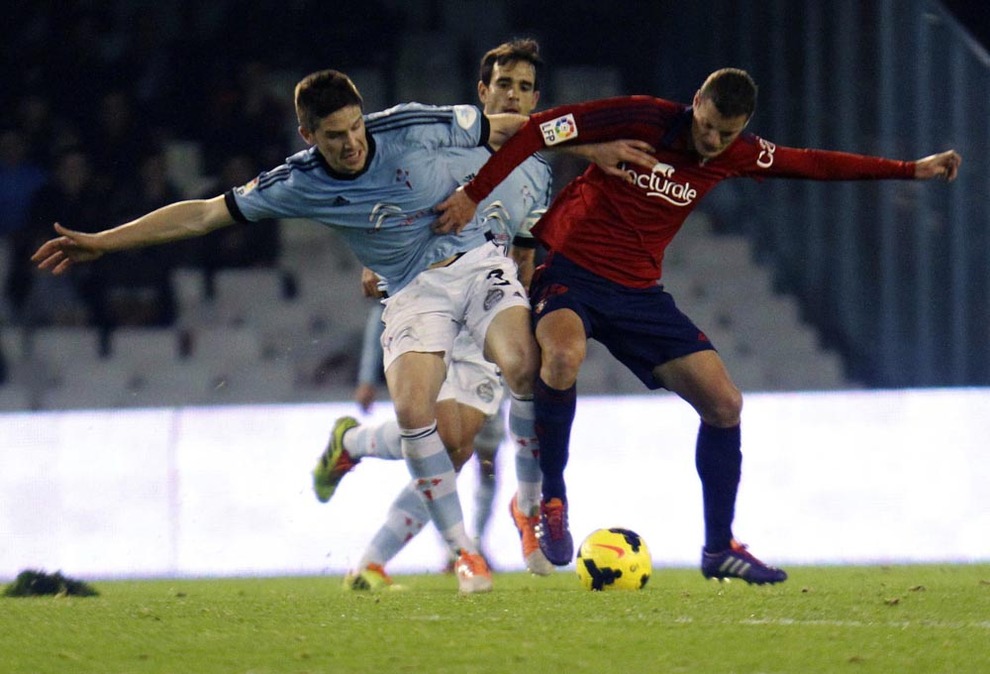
{"points": [[620, 229]]}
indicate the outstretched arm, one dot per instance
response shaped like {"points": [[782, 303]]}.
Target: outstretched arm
{"points": [[181, 220], [944, 165]]}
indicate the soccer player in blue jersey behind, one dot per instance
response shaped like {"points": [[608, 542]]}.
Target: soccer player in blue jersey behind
{"points": [[471, 396], [375, 179]]}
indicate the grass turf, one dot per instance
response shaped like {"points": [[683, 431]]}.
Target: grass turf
{"points": [[824, 619]]}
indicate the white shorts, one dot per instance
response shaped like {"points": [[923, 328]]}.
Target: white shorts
{"points": [[472, 380], [427, 315]]}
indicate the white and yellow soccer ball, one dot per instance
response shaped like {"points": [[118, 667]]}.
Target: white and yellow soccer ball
{"points": [[614, 559]]}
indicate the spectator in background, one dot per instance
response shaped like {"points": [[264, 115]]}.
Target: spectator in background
{"points": [[46, 134], [70, 195], [20, 179], [134, 288], [242, 116], [116, 144]]}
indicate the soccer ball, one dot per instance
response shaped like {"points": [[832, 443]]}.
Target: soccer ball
{"points": [[614, 559]]}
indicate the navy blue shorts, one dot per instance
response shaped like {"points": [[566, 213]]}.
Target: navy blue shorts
{"points": [[641, 327]]}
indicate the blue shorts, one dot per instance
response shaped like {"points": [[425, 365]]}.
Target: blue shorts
{"points": [[641, 327]]}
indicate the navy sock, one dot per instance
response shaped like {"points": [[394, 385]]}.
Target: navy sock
{"points": [[718, 459], [554, 411]]}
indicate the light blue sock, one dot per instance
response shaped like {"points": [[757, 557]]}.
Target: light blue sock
{"points": [[405, 519], [434, 477], [528, 475]]}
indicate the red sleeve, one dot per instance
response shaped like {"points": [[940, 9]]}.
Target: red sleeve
{"points": [[636, 117], [789, 162]]}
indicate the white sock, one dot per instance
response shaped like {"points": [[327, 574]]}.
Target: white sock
{"points": [[380, 441]]}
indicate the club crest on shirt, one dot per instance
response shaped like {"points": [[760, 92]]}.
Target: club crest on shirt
{"points": [[558, 130], [466, 115], [485, 392], [493, 297]]}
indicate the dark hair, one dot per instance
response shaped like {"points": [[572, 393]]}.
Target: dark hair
{"points": [[732, 91], [323, 93], [520, 49]]}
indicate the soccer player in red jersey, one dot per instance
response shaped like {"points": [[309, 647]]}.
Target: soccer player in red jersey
{"points": [[606, 239]]}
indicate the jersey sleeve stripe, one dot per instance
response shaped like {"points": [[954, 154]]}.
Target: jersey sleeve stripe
{"points": [[404, 119]]}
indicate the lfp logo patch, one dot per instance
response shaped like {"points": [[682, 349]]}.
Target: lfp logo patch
{"points": [[558, 130], [247, 188]]}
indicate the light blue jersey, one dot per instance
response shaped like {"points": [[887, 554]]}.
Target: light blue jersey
{"points": [[515, 205], [385, 212]]}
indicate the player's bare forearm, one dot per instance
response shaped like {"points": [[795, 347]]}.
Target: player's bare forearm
{"points": [[944, 165], [455, 212], [176, 221], [503, 126]]}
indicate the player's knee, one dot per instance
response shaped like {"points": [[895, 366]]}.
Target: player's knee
{"points": [[726, 409], [519, 367], [561, 363], [410, 413]]}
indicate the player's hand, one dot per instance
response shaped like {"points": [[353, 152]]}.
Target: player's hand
{"points": [[369, 284], [455, 212], [944, 165], [364, 396], [59, 254], [613, 155]]}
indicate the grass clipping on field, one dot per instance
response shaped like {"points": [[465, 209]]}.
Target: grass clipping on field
{"points": [[31, 583]]}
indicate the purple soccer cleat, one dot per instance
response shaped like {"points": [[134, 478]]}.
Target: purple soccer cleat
{"points": [[552, 532]]}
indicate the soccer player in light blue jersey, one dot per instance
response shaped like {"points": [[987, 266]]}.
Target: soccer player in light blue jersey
{"points": [[375, 179], [470, 399]]}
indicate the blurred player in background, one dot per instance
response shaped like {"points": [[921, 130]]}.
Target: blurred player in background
{"points": [[469, 406], [375, 179], [601, 279]]}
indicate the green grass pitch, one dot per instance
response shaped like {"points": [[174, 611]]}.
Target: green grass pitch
{"points": [[925, 618]]}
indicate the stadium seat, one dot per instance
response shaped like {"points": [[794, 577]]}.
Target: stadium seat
{"points": [[241, 296], [56, 353], [184, 383], [189, 290], [216, 348], [145, 348], [15, 398], [259, 382], [102, 387]]}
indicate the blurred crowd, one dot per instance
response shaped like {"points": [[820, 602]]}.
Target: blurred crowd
{"points": [[96, 95]]}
